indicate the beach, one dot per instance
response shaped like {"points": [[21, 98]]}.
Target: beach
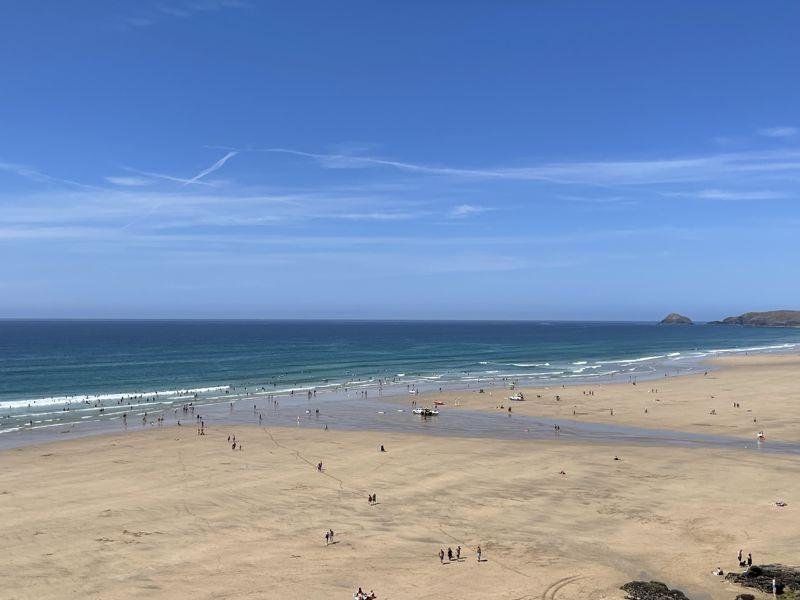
{"points": [[764, 386], [162, 512]]}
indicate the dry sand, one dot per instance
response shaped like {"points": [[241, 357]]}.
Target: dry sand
{"points": [[165, 513]]}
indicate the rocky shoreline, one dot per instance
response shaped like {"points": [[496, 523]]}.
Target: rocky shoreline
{"points": [[760, 577], [651, 590]]}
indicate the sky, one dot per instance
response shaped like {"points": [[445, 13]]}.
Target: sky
{"points": [[412, 160]]}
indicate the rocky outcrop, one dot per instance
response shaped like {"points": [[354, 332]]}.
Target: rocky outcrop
{"points": [[676, 319], [770, 318], [651, 590], [760, 578]]}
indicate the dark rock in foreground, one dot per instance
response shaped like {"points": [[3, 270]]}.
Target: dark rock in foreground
{"points": [[651, 590], [770, 318], [760, 578], [676, 319]]}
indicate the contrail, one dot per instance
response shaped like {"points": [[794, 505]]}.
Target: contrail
{"points": [[217, 165], [163, 176]]}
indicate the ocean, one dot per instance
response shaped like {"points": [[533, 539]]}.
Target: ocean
{"points": [[54, 372]]}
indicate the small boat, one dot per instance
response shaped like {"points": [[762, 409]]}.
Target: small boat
{"points": [[413, 392], [760, 436], [438, 403], [518, 397], [425, 412]]}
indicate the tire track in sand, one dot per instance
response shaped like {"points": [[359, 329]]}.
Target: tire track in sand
{"points": [[551, 590]]}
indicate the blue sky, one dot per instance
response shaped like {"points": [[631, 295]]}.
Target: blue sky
{"points": [[245, 159]]}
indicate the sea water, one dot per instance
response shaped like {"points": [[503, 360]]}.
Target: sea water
{"points": [[72, 373]]}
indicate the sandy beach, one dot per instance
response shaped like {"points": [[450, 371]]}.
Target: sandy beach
{"points": [[165, 513], [764, 386]]}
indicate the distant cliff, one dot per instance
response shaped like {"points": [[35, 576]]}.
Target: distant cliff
{"points": [[770, 318], [676, 319]]}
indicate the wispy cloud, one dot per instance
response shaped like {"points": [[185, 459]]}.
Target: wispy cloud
{"points": [[601, 200], [377, 216], [154, 13], [130, 181], [344, 161], [38, 176], [466, 210], [714, 194], [779, 132], [600, 173]]}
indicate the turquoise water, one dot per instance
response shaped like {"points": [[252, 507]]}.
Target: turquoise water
{"points": [[55, 372]]}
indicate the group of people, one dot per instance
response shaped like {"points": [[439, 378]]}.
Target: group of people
{"points": [[362, 595], [748, 562], [329, 537], [744, 563], [456, 555]]}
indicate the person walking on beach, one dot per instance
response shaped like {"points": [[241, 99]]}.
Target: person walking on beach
{"points": [[441, 556], [327, 538], [478, 553], [450, 554], [739, 557], [458, 552], [749, 559]]}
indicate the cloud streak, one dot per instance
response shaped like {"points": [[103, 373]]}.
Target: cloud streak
{"points": [[714, 194], [467, 210], [779, 132], [180, 10], [129, 181], [40, 177], [599, 173]]}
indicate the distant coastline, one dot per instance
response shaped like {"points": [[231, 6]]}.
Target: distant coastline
{"points": [[772, 318]]}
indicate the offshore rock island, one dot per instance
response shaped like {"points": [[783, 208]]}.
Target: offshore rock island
{"points": [[676, 319]]}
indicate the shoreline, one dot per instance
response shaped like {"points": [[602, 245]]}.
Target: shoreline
{"points": [[640, 405], [699, 402]]}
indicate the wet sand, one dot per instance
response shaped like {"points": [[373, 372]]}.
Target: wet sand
{"points": [[164, 513]]}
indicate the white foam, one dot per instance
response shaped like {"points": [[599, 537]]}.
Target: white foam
{"points": [[753, 348], [82, 399], [628, 361]]}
